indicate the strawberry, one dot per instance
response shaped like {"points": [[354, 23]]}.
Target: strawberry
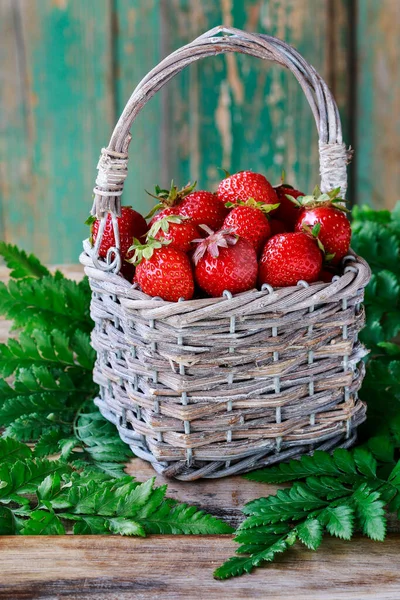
{"points": [[179, 230], [248, 220], [163, 271], [202, 207], [164, 213], [245, 185], [287, 212], [277, 226], [326, 213], [289, 257], [127, 270], [224, 261], [131, 225], [327, 274]]}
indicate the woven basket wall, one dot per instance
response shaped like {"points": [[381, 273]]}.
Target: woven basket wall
{"points": [[217, 386]]}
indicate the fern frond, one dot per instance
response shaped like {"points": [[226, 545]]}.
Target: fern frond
{"points": [[22, 264]]}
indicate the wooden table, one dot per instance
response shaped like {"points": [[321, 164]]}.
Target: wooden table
{"points": [[172, 567]]}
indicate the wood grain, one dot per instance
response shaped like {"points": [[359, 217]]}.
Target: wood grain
{"points": [[137, 39], [57, 112], [238, 112], [172, 567], [378, 103]]}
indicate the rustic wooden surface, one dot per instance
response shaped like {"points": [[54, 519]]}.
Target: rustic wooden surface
{"points": [[67, 68], [166, 567], [172, 567]]}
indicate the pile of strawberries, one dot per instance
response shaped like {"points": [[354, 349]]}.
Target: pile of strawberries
{"points": [[246, 234]]}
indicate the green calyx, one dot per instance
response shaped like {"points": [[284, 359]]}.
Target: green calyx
{"points": [[171, 197], [90, 220], [314, 232], [317, 199], [282, 182], [252, 203], [145, 251], [225, 171], [164, 223]]}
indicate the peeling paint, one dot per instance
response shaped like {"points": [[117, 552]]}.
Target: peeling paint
{"points": [[61, 4], [231, 58], [253, 15], [234, 80], [224, 124]]}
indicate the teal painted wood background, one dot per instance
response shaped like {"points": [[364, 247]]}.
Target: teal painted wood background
{"points": [[67, 68]]}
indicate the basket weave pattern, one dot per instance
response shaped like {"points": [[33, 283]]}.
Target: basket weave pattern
{"points": [[216, 386]]}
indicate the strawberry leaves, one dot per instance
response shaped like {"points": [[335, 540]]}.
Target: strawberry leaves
{"points": [[171, 197], [145, 251]]}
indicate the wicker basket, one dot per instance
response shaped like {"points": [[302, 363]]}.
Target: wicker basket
{"points": [[219, 386]]}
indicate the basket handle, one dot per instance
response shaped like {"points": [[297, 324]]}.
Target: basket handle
{"points": [[112, 166]]}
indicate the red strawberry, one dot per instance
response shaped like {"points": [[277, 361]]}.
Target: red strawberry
{"points": [[225, 262], [127, 270], [289, 257], [245, 185], [325, 213], [202, 207], [131, 225], [163, 271], [164, 213], [327, 275], [176, 229], [287, 212], [277, 226], [248, 220]]}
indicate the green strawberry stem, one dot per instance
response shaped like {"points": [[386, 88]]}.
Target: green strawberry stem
{"points": [[171, 197], [266, 208], [164, 223], [145, 251], [318, 199]]}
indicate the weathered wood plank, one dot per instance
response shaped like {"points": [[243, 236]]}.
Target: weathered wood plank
{"points": [[57, 111], [137, 39], [238, 112], [378, 103], [172, 567]]}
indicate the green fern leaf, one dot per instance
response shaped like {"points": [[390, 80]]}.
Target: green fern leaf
{"points": [[41, 522], [28, 427], [370, 512], [53, 349], [24, 476], [365, 462], [286, 504], [47, 444], [172, 518], [45, 304], [339, 521], [125, 526], [321, 463], [89, 525], [22, 264], [238, 565], [7, 521], [46, 404], [310, 533], [12, 450]]}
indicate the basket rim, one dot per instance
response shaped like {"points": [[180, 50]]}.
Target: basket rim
{"points": [[355, 277]]}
